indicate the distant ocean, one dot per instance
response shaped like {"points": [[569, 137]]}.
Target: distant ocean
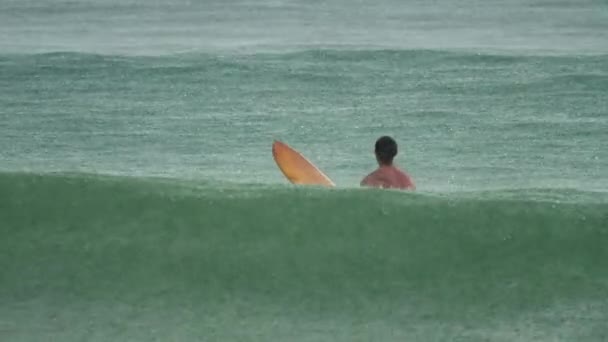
{"points": [[139, 200]]}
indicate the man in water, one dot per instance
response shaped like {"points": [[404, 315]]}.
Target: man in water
{"points": [[387, 175]]}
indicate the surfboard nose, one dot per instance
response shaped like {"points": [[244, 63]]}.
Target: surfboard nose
{"points": [[296, 168], [274, 146]]}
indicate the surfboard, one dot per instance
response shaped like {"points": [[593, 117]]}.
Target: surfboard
{"points": [[296, 168]]}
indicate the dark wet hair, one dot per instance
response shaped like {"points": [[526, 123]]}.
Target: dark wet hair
{"points": [[386, 149]]}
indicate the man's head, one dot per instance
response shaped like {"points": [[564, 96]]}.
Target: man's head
{"points": [[386, 150]]}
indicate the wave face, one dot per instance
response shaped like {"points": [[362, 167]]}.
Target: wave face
{"points": [[94, 257]]}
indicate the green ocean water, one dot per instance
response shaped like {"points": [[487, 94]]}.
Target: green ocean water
{"points": [[97, 258], [463, 120], [139, 200]]}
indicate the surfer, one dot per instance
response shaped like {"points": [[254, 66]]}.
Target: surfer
{"points": [[387, 175]]}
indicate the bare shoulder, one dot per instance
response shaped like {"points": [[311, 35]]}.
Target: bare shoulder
{"points": [[367, 179], [406, 180], [371, 179], [388, 177]]}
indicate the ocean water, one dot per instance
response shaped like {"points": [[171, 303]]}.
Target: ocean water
{"points": [[139, 200]]}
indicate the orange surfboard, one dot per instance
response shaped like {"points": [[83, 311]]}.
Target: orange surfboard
{"points": [[296, 167]]}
